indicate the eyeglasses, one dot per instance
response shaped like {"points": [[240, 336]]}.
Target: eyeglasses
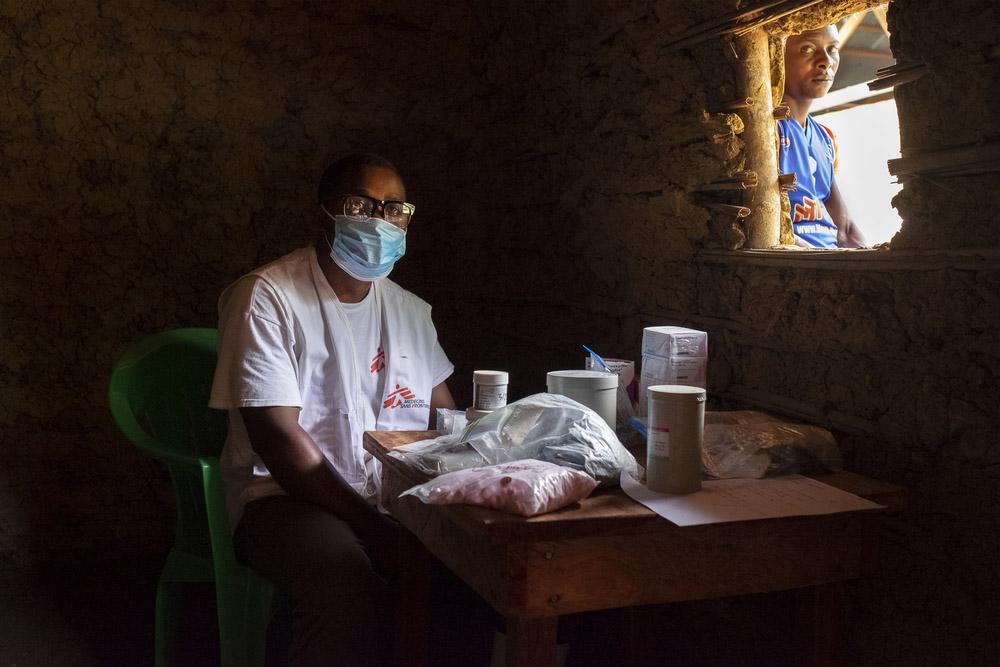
{"points": [[396, 212]]}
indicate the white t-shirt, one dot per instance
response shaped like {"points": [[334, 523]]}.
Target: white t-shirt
{"points": [[366, 332], [286, 340]]}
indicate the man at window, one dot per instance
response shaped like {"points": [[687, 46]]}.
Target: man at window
{"points": [[808, 149]]}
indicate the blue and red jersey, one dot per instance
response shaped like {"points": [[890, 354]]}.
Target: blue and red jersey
{"points": [[811, 154]]}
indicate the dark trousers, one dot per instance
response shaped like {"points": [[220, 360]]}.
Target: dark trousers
{"points": [[341, 607]]}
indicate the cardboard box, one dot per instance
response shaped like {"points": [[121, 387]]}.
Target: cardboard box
{"points": [[623, 368], [691, 371], [670, 341], [675, 370]]}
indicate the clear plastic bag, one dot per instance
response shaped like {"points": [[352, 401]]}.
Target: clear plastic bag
{"points": [[527, 487], [747, 443], [547, 427], [451, 421]]}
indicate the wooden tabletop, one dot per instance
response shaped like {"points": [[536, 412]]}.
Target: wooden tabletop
{"points": [[604, 510]]}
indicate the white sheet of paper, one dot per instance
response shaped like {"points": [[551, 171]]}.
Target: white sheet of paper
{"points": [[724, 500]]}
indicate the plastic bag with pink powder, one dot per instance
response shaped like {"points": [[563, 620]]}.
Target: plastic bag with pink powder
{"points": [[526, 487]]}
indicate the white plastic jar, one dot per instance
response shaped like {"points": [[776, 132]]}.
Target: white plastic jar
{"points": [[674, 438], [489, 390], [595, 389]]}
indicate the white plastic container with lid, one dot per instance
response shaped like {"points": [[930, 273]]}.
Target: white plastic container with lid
{"points": [[489, 390], [597, 390], [675, 434]]}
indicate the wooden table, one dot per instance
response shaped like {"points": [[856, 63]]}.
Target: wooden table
{"points": [[609, 551]]}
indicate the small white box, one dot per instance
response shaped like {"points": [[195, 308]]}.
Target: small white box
{"points": [[675, 370], [669, 341], [623, 368], [656, 370]]}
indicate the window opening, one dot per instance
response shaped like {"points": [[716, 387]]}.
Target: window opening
{"points": [[763, 25], [866, 125]]}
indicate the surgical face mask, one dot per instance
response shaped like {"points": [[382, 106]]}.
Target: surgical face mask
{"points": [[366, 248]]}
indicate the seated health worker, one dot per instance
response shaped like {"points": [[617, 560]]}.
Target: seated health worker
{"points": [[314, 349], [808, 149]]}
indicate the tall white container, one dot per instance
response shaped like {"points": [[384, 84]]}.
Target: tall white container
{"points": [[674, 440], [595, 389]]}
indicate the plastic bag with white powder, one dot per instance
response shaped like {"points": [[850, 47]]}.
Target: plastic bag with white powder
{"points": [[546, 427]]}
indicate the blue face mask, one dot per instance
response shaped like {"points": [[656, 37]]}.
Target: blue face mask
{"points": [[366, 248]]}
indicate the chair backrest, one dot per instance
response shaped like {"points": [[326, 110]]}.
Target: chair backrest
{"points": [[159, 398]]}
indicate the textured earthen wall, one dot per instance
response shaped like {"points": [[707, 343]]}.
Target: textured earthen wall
{"points": [[897, 352], [948, 107], [900, 359], [151, 155]]}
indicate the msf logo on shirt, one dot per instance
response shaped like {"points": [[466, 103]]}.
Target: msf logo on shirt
{"points": [[378, 361], [402, 397]]}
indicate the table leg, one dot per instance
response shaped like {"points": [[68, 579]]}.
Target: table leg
{"points": [[531, 641], [822, 614], [415, 564], [629, 620]]}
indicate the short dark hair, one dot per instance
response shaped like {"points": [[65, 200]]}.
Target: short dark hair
{"points": [[334, 175]]}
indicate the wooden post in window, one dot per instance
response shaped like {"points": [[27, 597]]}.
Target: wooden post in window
{"points": [[753, 74]]}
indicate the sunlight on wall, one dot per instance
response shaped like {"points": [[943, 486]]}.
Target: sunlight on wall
{"points": [[868, 136]]}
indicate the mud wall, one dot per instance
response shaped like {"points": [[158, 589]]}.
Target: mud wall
{"points": [[896, 350], [150, 154], [554, 151]]}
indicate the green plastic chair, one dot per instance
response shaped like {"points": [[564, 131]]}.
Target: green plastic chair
{"points": [[159, 399]]}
